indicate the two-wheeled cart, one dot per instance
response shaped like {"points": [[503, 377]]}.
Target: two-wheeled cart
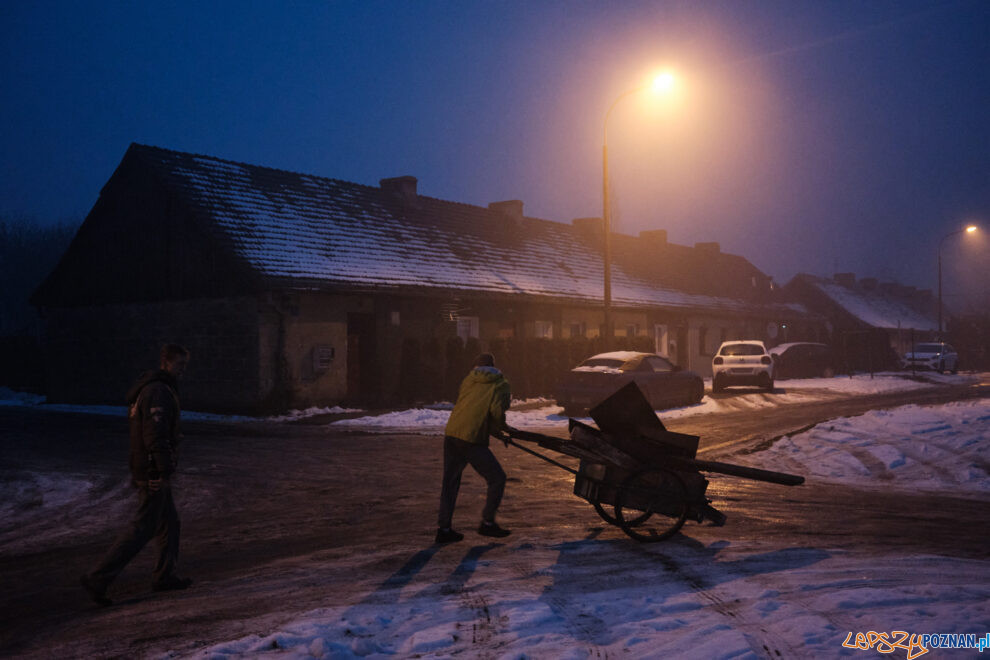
{"points": [[638, 475]]}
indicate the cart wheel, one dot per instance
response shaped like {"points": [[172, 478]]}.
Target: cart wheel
{"points": [[657, 502], [611, 520]]}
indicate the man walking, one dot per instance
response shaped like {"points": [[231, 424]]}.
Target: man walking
{"points": [[479, 412], [154, 433]]}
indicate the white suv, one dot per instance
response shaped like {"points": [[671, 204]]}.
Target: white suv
{"points": [[937, 356], [742, 362]]}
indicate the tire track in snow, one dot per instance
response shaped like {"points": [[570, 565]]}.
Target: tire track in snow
{"points": [[762, 640]]}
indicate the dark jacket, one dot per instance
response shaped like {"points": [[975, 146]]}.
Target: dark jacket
{"points": [[153, 404], [481, 404]]}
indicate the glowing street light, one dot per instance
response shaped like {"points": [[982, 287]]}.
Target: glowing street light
{"points": [[969, 230], [663, 83]]}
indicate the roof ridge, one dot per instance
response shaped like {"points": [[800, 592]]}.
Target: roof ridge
{"points": [[228, 161], [149, 147]]}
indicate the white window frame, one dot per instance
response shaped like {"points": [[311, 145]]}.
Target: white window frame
{"points": [[661, 339], [543, 329]]}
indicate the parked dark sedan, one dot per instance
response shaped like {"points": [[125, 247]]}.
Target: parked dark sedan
{"points": [[803, 360], [665, 384]]}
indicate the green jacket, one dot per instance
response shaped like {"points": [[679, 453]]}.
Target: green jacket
{"points": [[481, 404]]}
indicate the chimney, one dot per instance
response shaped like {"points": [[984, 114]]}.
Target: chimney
{"points": [[402, 188], [590, 226], [847, 280], [656, 237], [708, 248], [868, 283], [511, 209]]}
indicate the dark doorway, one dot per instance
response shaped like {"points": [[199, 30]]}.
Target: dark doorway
{"points": [[362, 360]]}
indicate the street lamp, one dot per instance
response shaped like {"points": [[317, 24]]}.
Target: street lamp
{"points": [[660, 84], [969, 230]]}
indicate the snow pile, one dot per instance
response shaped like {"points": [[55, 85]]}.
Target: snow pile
{"points": [[295, 415], [537, 413], [911, 447], [543, 414], [9, 397], [422, 419]]}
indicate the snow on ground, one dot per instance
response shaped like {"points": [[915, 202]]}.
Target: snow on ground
{"points": [[922, 448], [543, 413], [678, 600], [681, 598], [529, 414], [10, 397]]}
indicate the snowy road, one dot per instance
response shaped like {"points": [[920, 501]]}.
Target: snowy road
{"points": [[312, 541]]}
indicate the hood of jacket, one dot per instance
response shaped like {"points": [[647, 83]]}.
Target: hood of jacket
{"points": [[485, 375], [147, 378]]}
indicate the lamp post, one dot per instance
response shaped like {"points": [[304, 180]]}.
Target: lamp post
{"points": [[969, 230], [662, 83]]}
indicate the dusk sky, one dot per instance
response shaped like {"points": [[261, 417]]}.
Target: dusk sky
{"points": [[814, 137]]}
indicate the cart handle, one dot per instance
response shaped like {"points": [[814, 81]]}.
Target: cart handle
{"points": [[539, 455]]}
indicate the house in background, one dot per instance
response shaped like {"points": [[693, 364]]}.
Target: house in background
{"points": [[871, 322], [294, 290]]}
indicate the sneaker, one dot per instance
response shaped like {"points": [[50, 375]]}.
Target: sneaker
{"points": [[172, 583], [95, 591], [714, 515], [492, 529], [448, 536]]}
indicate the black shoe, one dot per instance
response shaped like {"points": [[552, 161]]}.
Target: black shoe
{"points": [[448, 536], [95, 591], [714, 515], [492, 529], [172, 583]]}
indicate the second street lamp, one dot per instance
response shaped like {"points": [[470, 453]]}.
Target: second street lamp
{"points": [[662, 83], [969, 230]]}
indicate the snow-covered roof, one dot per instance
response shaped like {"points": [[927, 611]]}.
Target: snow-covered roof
{"points": [[875, 307], [310, 231]]}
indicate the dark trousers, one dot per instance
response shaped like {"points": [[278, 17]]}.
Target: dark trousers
{"points": [[457, 455], [156, 518]]}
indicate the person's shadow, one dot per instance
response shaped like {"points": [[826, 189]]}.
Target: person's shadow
{"points": [[388, 590], [587, 571]]}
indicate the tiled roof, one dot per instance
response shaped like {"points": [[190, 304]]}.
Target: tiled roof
{"points": [[315, 231]]}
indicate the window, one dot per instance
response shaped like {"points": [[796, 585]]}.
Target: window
{"points": [[611, 363], [742, 349], [632, 329], [544, 329], [578, 329], [467, 327], [506, 330], [659, 364]]}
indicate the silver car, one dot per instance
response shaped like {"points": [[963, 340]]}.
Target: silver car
{"points": [[937, 356]]}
